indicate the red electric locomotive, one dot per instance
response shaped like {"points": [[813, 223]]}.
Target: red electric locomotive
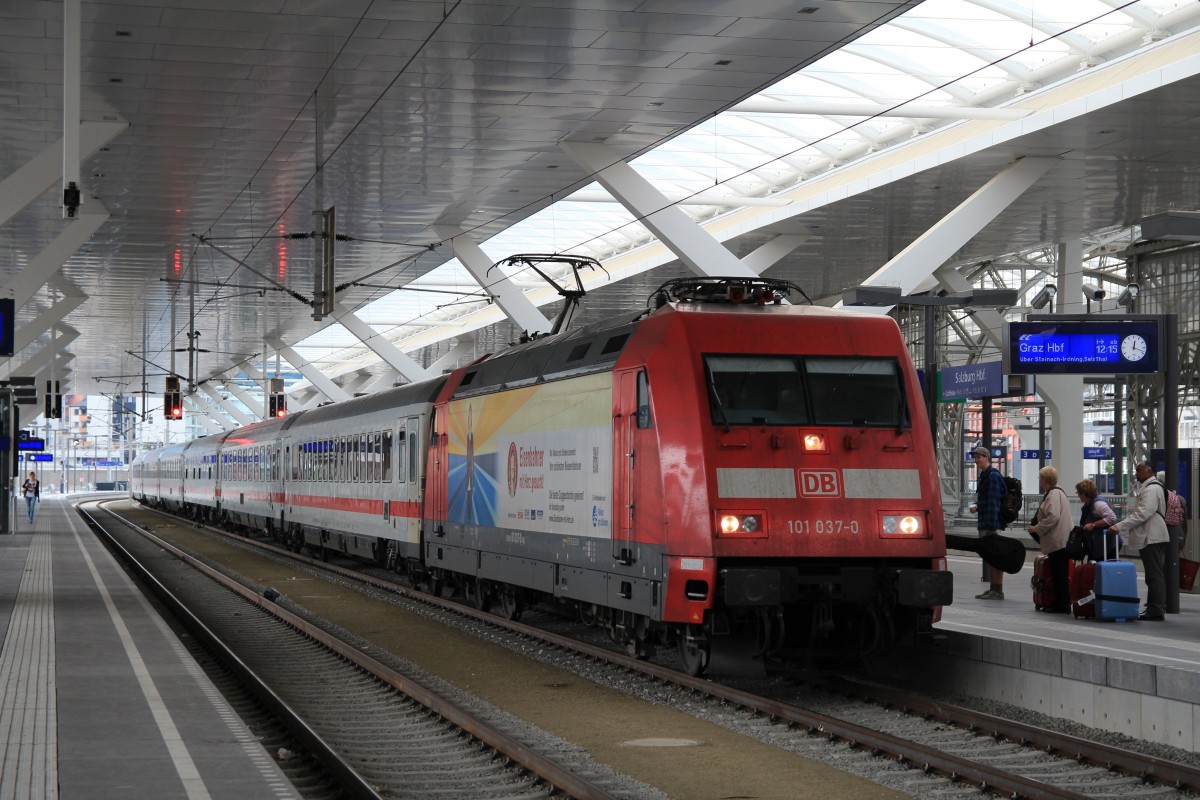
{"points": [[722, 470], [722, 473]]}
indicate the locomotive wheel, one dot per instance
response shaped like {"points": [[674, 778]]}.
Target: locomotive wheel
{"points": [[693, 650], [510, 604], [483, 593]]}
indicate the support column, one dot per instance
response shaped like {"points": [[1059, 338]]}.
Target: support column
{"points": [[767, 255], [463, 348], [930, 250], [226, 406], [391, 355], [317, 378], [247, 399], [1063, 392], [695, 247], [200, 413], [73, 236], [43, 357], [30, 331], [40, 174], [512, 301]]}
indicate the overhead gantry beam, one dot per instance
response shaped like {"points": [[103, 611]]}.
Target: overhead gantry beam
{"points": [[318, 379], [703, 254], [512, 301]]}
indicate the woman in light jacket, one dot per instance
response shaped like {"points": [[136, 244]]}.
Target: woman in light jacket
{"points": [[1050, 531]]}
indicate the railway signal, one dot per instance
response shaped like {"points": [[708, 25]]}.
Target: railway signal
{"points": [[172, 399]]}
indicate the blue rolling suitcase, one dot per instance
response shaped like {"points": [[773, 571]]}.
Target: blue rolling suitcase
{"points": [[1116, 591]]}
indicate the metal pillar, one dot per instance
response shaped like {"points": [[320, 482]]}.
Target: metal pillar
{"points": [[512, 301], [391, 355], [1170, 344], [317, 378], [694, 246]]}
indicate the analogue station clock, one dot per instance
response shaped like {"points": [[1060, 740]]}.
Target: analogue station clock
{"points": [[1133, 347]]}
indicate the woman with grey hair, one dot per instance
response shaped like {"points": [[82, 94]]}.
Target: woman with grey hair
{"points": [[1050, 532]]}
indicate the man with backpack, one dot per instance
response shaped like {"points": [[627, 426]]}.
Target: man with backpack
{"points": [[991, 493]]}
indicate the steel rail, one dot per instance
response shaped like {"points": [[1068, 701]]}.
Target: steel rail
{"points": [[520, 754], [348, 778], [1169, 773], [930, 759]]}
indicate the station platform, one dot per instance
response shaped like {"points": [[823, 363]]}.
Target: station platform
{"points": [[1141, 679], [98, 698]]}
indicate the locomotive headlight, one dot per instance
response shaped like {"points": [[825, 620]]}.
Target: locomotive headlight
{"points": [[903, 525], [740, 524], [814, 443]]}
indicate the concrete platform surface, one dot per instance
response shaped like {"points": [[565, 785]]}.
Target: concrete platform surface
{"points": [[98, 698]]}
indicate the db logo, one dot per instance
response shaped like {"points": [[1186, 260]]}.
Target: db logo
{"points": [[818, 483]]}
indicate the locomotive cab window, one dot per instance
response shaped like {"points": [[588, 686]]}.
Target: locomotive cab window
{"points": [[755, 390], [856, 391], [805, 390], [643, 401]]}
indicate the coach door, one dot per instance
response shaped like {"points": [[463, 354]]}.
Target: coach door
{"points": [[624, 456], [435, 472]]}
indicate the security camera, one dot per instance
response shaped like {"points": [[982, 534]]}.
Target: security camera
{"points": [[1093, 292], [1044, 297], [1129, 295]]}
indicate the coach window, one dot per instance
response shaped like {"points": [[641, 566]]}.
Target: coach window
{"points": [[387, 456], [401, 456], [413, 456], [643, 401]]}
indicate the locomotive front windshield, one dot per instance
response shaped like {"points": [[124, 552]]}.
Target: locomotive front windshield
{"points": [[805, 390]]}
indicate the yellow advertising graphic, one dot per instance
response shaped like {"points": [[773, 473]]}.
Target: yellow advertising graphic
{"points": [[534, 459]]}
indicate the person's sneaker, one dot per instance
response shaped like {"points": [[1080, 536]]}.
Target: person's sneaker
{"points": [[991, 594], [1150, 616]]}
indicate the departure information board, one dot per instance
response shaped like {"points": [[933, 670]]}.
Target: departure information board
{"points": [[1093, 347]]}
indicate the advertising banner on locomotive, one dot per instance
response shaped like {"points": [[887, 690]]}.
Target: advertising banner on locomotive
{"points": [[534, 459]]}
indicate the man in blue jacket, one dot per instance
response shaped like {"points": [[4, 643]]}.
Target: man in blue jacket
{"points": [[990, 493]]}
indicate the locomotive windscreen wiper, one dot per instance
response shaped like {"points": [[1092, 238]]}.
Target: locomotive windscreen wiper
{"points": [[714, 397]]}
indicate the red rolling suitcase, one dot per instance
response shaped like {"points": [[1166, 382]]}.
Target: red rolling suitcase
{"points": [[1082, 578], [1042, 583]]}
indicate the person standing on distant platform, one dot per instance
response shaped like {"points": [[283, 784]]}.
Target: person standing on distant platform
{"points": [[31, 489], [990, 493]]}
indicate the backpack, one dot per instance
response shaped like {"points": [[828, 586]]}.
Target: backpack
{"points": [[1176, 512], [1012, 502]]}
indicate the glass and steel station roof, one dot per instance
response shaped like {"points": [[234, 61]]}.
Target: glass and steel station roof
{"points": [[941, 62], [842, 128]]}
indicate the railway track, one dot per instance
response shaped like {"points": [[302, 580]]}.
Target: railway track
{"points": [[1004, 757], [378, 732]]}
